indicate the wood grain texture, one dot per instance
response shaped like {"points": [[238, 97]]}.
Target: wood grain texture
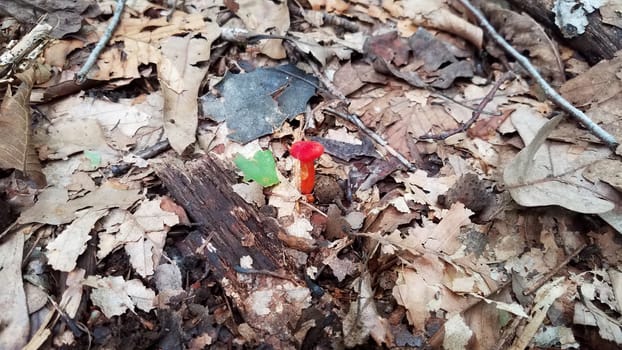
{"points": [[600, 41]]}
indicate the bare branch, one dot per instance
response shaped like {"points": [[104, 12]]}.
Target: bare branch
{"points": [[533, 72], [90, 61]]}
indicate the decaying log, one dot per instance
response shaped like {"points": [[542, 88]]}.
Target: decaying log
{"points": [[269, 296], [600, 40]]}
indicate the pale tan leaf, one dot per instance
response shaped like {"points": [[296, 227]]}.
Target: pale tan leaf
{"points": [[64, 250], [610, 12], [36, 298], [71, 136], [547, 174], [609, 328], [72, 296], [412, 292], [181, 71], [142, 234], [113, 295], [606, 170], [457, 333], [251, 192], [126, 115], [168, 282], [543, 301], [152, 217], [120, 229], [14, 317], [616, 283], [146, 252], [16, 149], [54, 208], [363, 319]]}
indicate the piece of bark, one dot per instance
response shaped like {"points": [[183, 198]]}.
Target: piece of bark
{"points": [[269, 295], [600, 41]]}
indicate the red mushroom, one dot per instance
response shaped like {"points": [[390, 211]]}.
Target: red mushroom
{"points": [[306, 152]]}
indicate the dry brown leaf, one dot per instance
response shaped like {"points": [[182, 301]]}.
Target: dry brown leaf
{"points": [[549, 174], [68, 137], [444, 236], [340, 267], [525, 34], [271, 303], [54, 208], [122, 123], [610, 12], [56, 53], [16, 149], [266, 17], [152, 30], [363, 319], [483, 320], [606, 170], [422, 292], [124, 62], [169, 205], [426, 189], [600, 83], [394, 7], [181, 71], [435, 14], [153, 223], [321, 44], [141, 37], [600, 88]]}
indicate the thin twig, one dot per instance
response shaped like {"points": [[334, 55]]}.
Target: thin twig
{"points": [[354, 119], [112, 25], [147, 153], [462, 103], [539, 283], [241, 269], [313, 208], [553, 95], [478, 111]]}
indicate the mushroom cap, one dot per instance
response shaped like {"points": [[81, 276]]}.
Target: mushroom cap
{"points": [[306, 151]]}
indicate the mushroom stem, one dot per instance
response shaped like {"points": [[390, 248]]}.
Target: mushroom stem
{"points": [[307, 177], [306, 152]]}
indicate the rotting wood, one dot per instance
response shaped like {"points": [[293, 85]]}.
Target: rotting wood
{"points": [[600, 40], [228, 229]]}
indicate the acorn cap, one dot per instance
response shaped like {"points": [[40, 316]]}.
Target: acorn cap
{"points": [[306, 151]]}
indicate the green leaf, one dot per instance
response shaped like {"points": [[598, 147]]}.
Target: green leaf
{"points": [[261, 169], [95, 158]]}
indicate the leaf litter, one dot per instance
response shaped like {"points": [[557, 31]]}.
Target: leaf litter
{"points": [[480, 246]]}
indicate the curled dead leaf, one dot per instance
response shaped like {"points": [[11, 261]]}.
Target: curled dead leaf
{"points": [[16, 149]]}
